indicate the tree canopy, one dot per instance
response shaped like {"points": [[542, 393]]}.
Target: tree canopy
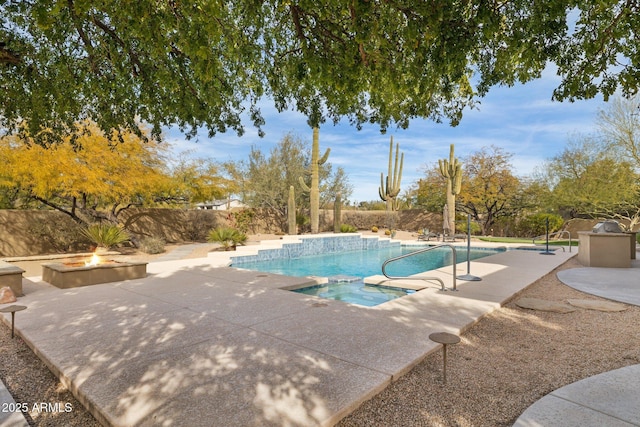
{"points": [[209, 63], [489, 191], [265, 180], [99, 180]]}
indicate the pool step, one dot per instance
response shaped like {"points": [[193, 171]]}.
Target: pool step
{"points": [[343, 278]]}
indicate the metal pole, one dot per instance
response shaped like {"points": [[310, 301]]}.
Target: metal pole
{"points": [[468, 276], [547, 252]]}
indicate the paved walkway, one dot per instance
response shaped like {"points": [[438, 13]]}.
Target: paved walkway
{"points": [[196, 343], [608, 399]]}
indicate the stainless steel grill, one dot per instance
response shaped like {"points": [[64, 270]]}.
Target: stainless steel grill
{"points": [[608, 226]]}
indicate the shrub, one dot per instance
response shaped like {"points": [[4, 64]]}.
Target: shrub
{"points": [[228, 237], [61, 235], [152, 245], [346, 228], [374, 229], [106, 235], [536, 225]]}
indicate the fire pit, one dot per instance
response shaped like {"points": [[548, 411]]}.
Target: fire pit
{"points": [[92, 272]]}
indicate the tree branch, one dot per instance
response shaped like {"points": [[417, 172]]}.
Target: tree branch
{"points": [[7, 56], [136, 66]]}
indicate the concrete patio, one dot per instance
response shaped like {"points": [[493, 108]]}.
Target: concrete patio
{"points": [[198, 343]]}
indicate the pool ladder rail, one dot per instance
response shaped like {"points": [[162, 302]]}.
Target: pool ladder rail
{"points": [[443, 288], [557, 233]]}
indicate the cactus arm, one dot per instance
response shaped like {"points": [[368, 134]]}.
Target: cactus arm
{"points": [[396, 184], [442, 167], [304, 186], [382, 190], [390, 189], [324, 158], [455, 188]]}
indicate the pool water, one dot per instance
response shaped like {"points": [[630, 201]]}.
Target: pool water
{"points": [[356, 292], [365, 263], [356, 265]]}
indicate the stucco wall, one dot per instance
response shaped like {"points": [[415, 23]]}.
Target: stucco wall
{"points": [[21, 230]]}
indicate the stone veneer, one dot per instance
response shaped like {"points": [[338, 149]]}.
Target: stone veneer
{"points": [[317, 246]]}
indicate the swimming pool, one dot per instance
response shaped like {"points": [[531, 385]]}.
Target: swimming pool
{"points": [[364, 263], [356, 265]]}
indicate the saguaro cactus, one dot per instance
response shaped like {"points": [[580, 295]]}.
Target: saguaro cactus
{"points": [[314, 188], [291, 211], [337, 213], [390, 188], [452, 170]]}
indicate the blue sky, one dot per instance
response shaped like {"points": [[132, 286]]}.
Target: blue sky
{"points": [[522, 120]]}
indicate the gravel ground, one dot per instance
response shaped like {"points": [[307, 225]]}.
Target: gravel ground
{"points": [[504, 363]]}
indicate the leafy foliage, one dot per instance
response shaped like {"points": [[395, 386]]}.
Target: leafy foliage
{"points": [[90, 179], [536, 225], [206, 64], [490, 190], [152, 245], [61, 235], [265, 181], [431, 190], [347, 228], [228, 237], [106, 235]]}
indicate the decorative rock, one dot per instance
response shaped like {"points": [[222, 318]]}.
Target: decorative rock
{"points": [[599, 305], [7, 295], [544, 305]]}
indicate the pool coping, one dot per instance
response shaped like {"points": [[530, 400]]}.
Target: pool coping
{"points": [[313, 369]]}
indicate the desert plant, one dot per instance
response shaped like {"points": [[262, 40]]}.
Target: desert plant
{"points": [[536, 225], [291, 211], [451, 170], [314, 188], [337, 213], [390, 188], [106, 235], [374, 229], [228, 237], [346, 228], [152, 245]]}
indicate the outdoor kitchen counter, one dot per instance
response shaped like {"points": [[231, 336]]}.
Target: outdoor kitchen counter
{"points": [[612, 250]]}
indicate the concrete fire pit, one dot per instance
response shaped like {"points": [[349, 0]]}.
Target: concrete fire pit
{"points": [[73, 275]]}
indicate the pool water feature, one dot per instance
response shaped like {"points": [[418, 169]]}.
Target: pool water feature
{"points": [[358, 264]]}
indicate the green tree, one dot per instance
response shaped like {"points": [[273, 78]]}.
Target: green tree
{"points": [[588, 181], [619, 125], [431, 190], [206, 64], [490, 191], [265, 181], [200, 180]]}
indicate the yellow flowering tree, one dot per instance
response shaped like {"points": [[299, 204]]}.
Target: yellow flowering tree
{"points": [[91, 178]]}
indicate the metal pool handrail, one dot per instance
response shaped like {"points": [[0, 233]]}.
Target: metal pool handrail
{"points": [[557, 233], [390, 260]]}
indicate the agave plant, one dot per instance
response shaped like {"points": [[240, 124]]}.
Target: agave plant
{"points": [[228, 237], [106, 235]]}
